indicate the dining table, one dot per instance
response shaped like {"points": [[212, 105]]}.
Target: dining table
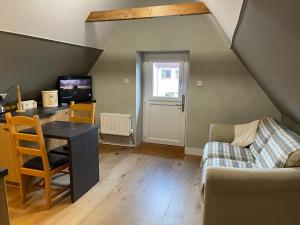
{"points": [[83, 147]]}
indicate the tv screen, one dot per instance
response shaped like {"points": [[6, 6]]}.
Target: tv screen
{"points": [[75, 88]]}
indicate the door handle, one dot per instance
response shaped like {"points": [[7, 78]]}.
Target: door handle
{"points": [[182, 105]]}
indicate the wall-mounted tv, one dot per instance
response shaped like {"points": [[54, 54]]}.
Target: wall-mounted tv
{"points": [[74, 88]]}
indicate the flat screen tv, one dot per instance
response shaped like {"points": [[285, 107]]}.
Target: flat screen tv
{"points": [[74, 88]]}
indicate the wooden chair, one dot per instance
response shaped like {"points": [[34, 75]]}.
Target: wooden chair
{"points": [[79, 113], [42, 164], [82, 113]]}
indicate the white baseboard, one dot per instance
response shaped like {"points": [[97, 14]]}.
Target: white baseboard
{"points": [[117, 144], [193, 151]]}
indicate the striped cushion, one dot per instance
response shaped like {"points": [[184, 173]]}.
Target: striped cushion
{"points": [[278, 148], [227, 163], [266, 128], [226, 151]]}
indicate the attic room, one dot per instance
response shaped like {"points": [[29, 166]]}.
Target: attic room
{"points": [[149, 112]]}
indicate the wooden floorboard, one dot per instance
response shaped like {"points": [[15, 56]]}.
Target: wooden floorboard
{"points": [[135, 189], [167, 151]]}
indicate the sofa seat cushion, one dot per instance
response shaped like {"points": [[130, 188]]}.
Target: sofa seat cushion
{"points": [[222, 162], [266, 128], [280, 146], [224, 150]]}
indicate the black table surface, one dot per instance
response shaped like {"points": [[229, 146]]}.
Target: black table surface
{"points": [[3, 172], [63, 130]]}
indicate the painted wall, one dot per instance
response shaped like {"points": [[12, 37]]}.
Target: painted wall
{"points": [[229, 93], [60, 20], [290, 124], [267, 40], [34, 63]]}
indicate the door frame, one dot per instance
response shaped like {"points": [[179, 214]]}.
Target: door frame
{"points": [[169, 57]]}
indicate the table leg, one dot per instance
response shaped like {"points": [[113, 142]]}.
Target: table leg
{"points": [[84, 163], [4, 217]]}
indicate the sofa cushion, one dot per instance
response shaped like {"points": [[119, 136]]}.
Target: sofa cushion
{"points": [[293, 160], [280, 146], [245, 133], [222, 162], [266, 128], [226, 151]]}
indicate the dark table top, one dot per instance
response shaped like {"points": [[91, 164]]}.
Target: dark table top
{"points": [[63, 130], [3, 172], [42, 112]]}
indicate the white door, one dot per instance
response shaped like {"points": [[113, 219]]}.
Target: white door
{"points": [[165, 79]]}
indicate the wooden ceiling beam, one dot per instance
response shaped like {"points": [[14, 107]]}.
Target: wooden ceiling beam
{"points": [[149, 12]]}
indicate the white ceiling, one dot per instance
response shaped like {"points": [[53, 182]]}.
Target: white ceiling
{"points": [[63, 20], [60, 20], [227, 14]]}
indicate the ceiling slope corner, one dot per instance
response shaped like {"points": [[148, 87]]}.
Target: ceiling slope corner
{"points": [[226, 13], [35, 19]]}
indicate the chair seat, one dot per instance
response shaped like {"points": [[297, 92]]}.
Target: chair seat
{"points": [[55, 160], [62, 150]]}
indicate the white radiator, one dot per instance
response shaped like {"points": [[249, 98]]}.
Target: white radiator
{"points": [[115, 124]]}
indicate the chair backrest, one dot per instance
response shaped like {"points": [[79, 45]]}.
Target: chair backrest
{"points": [[82, 113], [17, 123]]}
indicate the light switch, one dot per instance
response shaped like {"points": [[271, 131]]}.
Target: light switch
{"points": [[126, 80], [199, 83]]}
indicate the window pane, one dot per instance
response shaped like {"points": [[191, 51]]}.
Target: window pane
{"points": [[166, 80]]}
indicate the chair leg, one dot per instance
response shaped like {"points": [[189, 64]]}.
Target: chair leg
{"points": [[23, 188], [48, 192]]}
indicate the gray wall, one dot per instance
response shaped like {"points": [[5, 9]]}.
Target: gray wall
{"points": [[267, 40], [35, 63], [229, 93], [290, 124]]}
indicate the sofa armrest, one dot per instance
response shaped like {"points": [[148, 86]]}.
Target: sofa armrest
{"points": [[221, 132], [252, 196]]}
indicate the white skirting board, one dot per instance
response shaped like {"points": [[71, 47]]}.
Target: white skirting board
{"points": [[193, 151], [117, 144]]}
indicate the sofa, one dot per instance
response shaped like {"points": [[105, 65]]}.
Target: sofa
{"points": [[256, 185]]}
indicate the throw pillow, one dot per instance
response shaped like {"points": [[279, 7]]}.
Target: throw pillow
{"points": [[244, 134]]}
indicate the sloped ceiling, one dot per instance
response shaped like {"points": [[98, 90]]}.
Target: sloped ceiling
{"points": [[267, 40], [34, 63], [226, 13], [60, 20], [64, 20]]}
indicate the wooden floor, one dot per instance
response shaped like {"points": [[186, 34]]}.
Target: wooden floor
{"points": [[135, 189]]}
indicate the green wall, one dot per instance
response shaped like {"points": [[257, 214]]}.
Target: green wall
{"points": [[229, 93]]}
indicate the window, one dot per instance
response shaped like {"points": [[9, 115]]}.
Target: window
{"points": [[165, 74], [166, 80]]}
